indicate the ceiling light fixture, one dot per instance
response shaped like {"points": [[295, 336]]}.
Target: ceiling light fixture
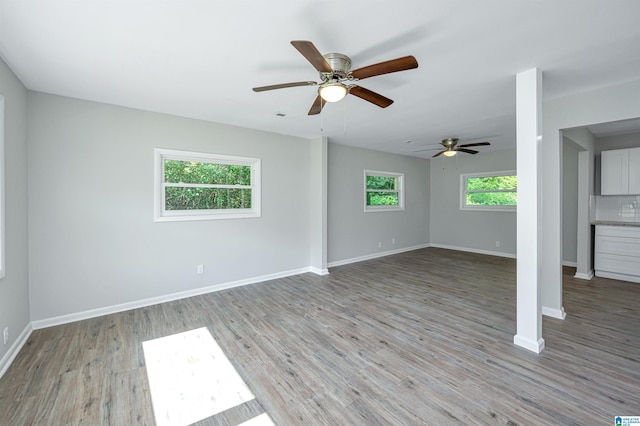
{"points": [[332, 92], [450, 153]]}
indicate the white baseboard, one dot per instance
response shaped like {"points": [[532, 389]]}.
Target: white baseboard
{"points": [[318, 271], [582, 276], [616, 276], [472, 250], [421, 246], [554, 313], [567, 263], [8, 358], [92, 313], [375, 255], [532, 345]]}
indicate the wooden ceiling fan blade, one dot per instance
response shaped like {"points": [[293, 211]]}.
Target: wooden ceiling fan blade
{"points": [[466, 145], [313, 55], [284, 85], [427, 149], [317, 106], [468, 151], [370, 96], [440, 153], [394, 65]]}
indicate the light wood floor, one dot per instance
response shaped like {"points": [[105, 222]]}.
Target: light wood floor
{"points": [[417, 338]]}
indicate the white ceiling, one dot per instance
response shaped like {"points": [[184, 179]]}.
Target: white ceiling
{"points": [[200, 59]]}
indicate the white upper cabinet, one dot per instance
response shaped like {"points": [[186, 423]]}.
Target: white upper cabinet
{"points": [[620, 172], [634, 171]]}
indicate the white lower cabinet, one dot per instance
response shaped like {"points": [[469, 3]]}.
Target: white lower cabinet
{"points": [[617, 252]]}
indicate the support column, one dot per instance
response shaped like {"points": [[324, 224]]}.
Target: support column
{"points": [[529, 215], [584, 269], [318, 206]]}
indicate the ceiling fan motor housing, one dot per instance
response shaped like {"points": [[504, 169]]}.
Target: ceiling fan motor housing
{"points": [[340, 64], [449, 142]]}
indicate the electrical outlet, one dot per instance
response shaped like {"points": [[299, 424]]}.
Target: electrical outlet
{"points": [[6, 335], [393, 240], [497, 243], [379, 244], [200, 269]]}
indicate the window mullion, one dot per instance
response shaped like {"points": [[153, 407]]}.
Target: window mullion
{"points": [[205, 185], [384, 190], [489, 191]]}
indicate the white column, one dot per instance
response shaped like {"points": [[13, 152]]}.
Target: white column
{"points": [[529, 216], [318, 206], [585, 189]]}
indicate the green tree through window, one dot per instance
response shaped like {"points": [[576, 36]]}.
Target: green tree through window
{"points": [[383, 191], [202, 186], [226, 178], [496, 190]]}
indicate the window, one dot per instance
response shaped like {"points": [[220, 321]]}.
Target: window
{"points": [[384, 191], [489, 191], [199, 186], [2, 180]]}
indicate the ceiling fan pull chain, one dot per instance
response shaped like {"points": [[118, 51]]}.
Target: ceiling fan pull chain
{"points": [[321, 114], [344, 116]]}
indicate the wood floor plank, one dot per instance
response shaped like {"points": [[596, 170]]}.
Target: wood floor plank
{"points": [[423, 337]]}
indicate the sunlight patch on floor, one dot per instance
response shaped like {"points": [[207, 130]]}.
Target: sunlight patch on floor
{"points": [[261, 420], [190, 379]]}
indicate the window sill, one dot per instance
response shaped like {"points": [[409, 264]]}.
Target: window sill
{"points": [[512, 209], [370, 209], [187, 217]]}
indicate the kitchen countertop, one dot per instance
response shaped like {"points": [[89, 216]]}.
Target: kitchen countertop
{"points": [[612, 223]]}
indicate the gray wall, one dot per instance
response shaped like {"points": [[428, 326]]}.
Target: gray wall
{"points": [[352, 232], [630, 140], [92, 239], [472, 230], [14, 287], [569, 203]]}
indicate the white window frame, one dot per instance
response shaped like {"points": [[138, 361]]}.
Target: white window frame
{"points": [[400, 191], [163, 215], [463, 191], [3, 172]]}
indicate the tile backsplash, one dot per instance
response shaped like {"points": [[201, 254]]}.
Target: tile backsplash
{"points": [[616, 208]]}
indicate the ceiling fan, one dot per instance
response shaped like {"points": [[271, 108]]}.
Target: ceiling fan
{"points": [[451, 147], [337, 78]]}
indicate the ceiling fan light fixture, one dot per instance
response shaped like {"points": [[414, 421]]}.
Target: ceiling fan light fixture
{"points": [[332, 92], [450, 153]]}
